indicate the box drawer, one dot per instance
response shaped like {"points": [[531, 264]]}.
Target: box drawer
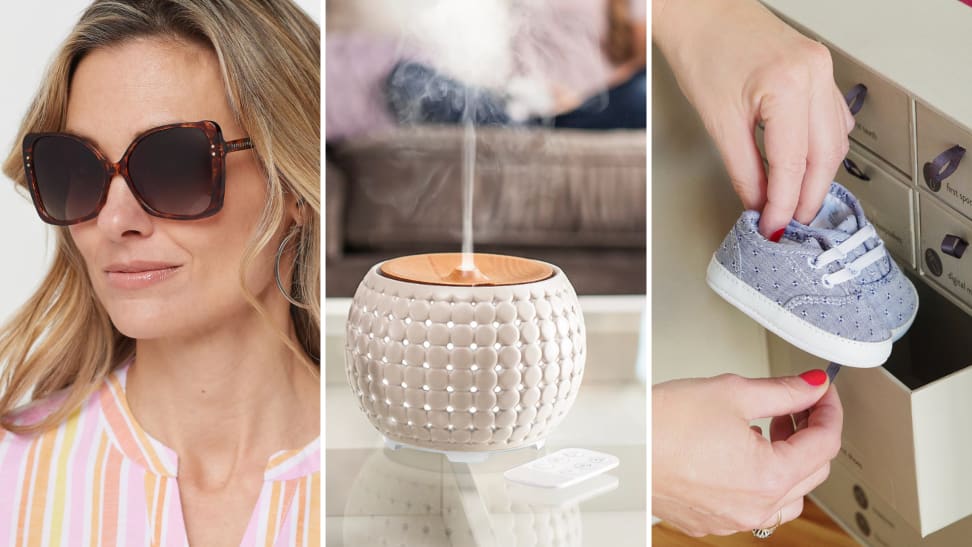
{"points": [[884, 118], [952, 270], [849, 499], [937, 138], [887, 200], [852, 502]]}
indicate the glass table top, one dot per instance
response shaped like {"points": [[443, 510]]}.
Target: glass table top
{"points": [[406, 497]]}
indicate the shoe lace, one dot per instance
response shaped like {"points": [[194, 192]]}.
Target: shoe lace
{"points": [[840, 252]]}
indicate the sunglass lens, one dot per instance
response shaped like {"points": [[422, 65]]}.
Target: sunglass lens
{"points": [[70, 178], [173, 171]]}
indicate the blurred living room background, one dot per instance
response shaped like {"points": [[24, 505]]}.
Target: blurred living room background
{"points": [[572, 197]]}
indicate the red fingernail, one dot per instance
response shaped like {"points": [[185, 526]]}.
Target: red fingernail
{"points": [[775, 238], [814, 377]]}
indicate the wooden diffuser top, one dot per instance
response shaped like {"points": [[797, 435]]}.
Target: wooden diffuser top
{"points": [[445, 269]]}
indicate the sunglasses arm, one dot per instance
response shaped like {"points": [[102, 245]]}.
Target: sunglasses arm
{"points": [[238, 144]]}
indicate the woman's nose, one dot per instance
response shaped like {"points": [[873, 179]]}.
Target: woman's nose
{"points": [[122, 214]]}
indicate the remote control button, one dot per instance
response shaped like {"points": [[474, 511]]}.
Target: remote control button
{"points": [[556, 459], [583, 465], [598, 459]]}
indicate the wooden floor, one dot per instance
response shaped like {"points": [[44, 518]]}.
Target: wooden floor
{"points": [[813, 529]]}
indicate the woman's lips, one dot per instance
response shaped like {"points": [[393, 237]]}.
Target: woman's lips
{"points": [[134, 276]]}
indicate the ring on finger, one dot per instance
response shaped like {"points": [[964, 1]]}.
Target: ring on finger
{"points": [[763, 533]]}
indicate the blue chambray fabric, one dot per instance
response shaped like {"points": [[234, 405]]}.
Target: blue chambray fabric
{"points": [[890, 295], [893, 299], [782, 272]]}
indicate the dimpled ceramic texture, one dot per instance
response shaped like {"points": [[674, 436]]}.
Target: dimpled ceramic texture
{"points": [[465, 368]]}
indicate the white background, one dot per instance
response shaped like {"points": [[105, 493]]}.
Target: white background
{"points": [[30, 33]]}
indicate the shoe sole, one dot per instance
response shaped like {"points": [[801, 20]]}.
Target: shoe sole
{"points": [[806, 336]]}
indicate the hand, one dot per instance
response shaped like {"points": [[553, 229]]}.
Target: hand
{"points": [[714, 474], [739, 64]]}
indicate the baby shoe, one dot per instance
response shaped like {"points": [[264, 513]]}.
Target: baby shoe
{"points": [[813, 288], [887, 290]]}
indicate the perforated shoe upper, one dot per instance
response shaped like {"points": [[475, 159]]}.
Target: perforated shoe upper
{"points": [[784, 272]]}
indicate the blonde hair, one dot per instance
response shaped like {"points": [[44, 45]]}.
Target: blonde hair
{"points": [[269, 57]]}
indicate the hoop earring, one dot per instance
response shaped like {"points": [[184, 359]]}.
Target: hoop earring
{"points": [[276, 269]]}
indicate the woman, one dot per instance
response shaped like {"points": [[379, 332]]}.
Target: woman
{"points": [[170, 356]]}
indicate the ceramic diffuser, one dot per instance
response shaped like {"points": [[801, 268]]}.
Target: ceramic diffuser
{"points": [[453, 360]]}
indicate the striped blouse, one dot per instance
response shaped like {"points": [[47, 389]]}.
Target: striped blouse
{"points": [[100, 480]]}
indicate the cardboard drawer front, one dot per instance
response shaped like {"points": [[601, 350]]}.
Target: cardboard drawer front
{"points": [[886, 199], [883, 119], [950, 178]]}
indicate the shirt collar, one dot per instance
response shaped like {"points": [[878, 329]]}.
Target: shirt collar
{"points": [[137, 445]]}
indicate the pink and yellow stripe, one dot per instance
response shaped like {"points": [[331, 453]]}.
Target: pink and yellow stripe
{"points": [[100, 480]]}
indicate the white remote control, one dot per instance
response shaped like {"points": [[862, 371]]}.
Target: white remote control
{"points": [[563, 468]]}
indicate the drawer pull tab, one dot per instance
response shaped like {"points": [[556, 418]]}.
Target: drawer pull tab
{"points": [[853, 169], [954, 246], [855, 98], [942, 167]]}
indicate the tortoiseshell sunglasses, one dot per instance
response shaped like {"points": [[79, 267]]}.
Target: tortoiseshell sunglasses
{"points": [[175, 171]]}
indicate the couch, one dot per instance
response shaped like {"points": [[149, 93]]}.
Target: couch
{"points": [[573, 198]]}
